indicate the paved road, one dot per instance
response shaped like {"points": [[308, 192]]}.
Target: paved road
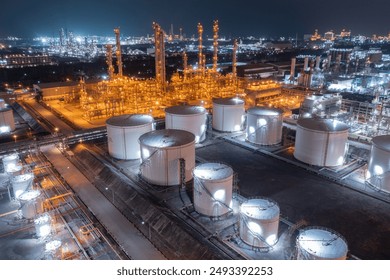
{"points": [[49, 116], [128, 237]]}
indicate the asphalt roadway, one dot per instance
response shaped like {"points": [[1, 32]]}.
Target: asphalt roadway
{"points": [[303, 196]]}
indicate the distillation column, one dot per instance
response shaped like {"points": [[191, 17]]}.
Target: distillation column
{"points": [[215, 45], [292, 71], [118, 52], [200, 47], [109, 61], [185, 65], [234, 59], [159, 54]]}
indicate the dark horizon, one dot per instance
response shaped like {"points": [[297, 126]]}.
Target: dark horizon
{"points": [[243, 18]]}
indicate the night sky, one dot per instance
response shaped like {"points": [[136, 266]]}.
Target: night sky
{"points": [[28, 18]]}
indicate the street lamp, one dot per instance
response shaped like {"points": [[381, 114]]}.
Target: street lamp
{"points": [[15, 136]]}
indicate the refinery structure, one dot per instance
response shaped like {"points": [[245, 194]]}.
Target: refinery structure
{"points": [[259, 161]]}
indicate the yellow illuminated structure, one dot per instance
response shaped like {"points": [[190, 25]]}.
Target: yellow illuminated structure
{"points": [[118, 51], [109, 62], [215, 45], [195, 86]]}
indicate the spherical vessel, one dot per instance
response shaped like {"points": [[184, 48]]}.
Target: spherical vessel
{"points": [[123, 133], [21, 183], [188, 118], [264, 125], [228, 114], [31, 203], [317, 243], [259, 222], [321, 142], [213, 187], [167, 155], [379, 163], [7, 122]]}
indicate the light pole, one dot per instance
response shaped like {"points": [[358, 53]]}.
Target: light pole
{"points": [[15, 136], [112, 192]]}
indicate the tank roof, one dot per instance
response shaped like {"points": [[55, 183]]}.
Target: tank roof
{"points": [[213, 171], [229, 101], [185, 110], [5, 109], [167, 138], [11, 157], [29, 195], [260, 208], [382, 142], [265, 111], [322, 124], [130, 120], [23, 177], [323, 243]]}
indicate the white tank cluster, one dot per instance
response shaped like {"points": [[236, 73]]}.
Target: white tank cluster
{"points": [[31, 203], [7, 121], [379, 163], [213, 189], [228, 114], [123, 132], [319, 243], [321, 142], [21, 183], [264, 125], [259, 222], [167, 155], [189, 118]]}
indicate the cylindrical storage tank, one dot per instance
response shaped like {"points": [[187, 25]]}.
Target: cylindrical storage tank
{"points": [[379, 163], [264, 125], [10, 161], [321, 142], [213, 189], [166, 155], [31, 203], [21, 183], [318, 243], [188, 118], [7, 121], [123, 133], [43, 225], [228, 114], [259, 222]]}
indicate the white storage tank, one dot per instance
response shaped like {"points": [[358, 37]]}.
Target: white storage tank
{"points": [[264, 125], [378, 171], [123, 132], [31, 203], [7, 121], [228, 114], [213, 189], [21, 183], [259, 222], [10, 161], [190, 118], [321, 142], [164, 154], [43, 225], [319, 243]]}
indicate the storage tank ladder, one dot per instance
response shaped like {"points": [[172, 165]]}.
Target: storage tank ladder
{"points": [[200, 183], [254, 234]]}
